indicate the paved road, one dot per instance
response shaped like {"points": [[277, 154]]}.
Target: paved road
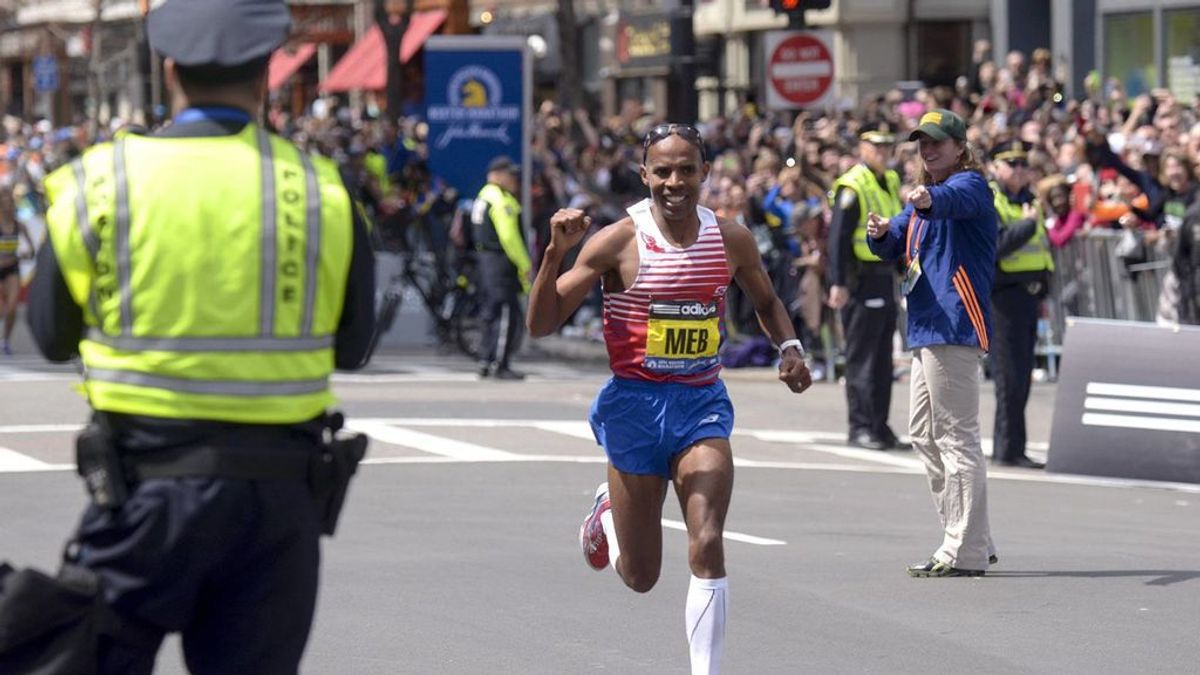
{"points": [[457, 552]]}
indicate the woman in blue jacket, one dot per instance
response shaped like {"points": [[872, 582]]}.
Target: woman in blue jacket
{"points": [[946, 235]]}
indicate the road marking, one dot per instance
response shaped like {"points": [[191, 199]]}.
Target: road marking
{"points": [[574, 429], [40, 428], [733, 536], [450, 451], [12, 461], [436, 445]]}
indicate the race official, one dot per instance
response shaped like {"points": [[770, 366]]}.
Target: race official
{"points": [[864, 289], [1024, 264], [210, 276], [504, 266], [946, 236]]}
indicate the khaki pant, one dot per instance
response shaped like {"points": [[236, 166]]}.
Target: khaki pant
{"points": [[944, 425]]}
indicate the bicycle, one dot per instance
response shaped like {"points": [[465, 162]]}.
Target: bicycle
{"points": [[454, 307]]}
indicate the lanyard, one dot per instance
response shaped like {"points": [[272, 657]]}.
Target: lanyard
{"points": [[213, 113], [913, 244]]}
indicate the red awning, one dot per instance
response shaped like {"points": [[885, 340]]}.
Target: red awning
{"points": [[362, 67], [284, 64], [420, 27]]}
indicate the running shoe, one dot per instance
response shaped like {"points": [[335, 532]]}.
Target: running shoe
{"points": [[936, 568], [591, 533]]}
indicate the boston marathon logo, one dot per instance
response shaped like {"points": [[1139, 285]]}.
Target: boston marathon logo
{"points": [[682, 336], [476, 108]]}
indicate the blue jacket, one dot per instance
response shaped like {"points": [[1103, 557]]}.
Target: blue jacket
{"points": [[955, 241]]}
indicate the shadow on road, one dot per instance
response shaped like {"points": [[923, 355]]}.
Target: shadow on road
{"points": [[1161, 577]]}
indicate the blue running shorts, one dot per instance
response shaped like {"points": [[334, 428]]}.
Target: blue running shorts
{"points": [[643, 425]]}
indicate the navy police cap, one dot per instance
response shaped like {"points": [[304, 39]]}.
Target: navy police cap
{"points": [[218, 33]]}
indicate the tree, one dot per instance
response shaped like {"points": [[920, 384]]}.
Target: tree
{"points": [[570, 90], [393, 25]]}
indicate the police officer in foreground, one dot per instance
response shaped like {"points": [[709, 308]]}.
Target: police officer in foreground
{"points": [[211, 277], [1024, 264], [864, 288], [504, 266]]}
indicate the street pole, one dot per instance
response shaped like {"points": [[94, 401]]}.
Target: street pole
{"points": [[94, 72], [393, 35], [682, 99], [570, 89]]}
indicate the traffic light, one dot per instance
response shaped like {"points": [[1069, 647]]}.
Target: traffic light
{"points": [[790, 6]]}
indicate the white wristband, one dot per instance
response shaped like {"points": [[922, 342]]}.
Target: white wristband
{"points": [[791, 343]]}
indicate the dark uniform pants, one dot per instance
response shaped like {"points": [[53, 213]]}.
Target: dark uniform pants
{"points": [[232, 564], [869, 321], [1014, 337], [501, 291]]}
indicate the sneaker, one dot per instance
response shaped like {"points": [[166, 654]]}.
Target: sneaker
{"points": [[508, 374], [591, 533], [936, 568]]}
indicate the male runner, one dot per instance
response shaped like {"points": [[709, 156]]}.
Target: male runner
{"points": [[664, 415]]}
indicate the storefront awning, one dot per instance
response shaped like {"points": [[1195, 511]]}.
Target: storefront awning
{"points": [[363, 66], [284, 64]]}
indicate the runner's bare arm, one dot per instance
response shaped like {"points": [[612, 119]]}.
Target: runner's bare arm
{"points": [[747, 269], [554, 298]]}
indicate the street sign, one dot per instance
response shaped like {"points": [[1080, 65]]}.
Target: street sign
{"points": [[45, 73], [799, 69]]}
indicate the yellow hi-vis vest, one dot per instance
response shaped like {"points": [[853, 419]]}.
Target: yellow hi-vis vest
{"points": [[872, 198], [211, 272], [1034, 255], [376, 165]]}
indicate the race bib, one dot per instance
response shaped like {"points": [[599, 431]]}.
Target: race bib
{"points": [[682, 336], [910, 276]]}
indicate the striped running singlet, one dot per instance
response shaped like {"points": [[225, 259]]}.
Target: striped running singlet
{"points": [[668, 325]]}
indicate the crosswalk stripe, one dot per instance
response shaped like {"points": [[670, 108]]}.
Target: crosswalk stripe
{"points": [[13, 461], [733, 536], [436, 445]]}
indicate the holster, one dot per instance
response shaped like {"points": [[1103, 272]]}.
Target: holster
{"points": [[50, 625], [99, 463], [331, 470]]}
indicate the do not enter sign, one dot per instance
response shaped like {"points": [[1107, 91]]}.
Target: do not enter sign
{"points": [[799, 69]]}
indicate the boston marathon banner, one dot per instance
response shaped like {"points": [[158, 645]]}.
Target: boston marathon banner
{"points": [[478, 98]]}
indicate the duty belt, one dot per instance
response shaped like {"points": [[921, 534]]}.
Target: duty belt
{"points": [[196, 461]]}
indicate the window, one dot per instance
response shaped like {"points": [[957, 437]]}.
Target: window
{"points": [[1129, 51], [943, 51], [1181, 30]]}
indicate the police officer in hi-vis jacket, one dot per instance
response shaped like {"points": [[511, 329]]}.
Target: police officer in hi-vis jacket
{"points": [[1023, 267], [210, 276]]}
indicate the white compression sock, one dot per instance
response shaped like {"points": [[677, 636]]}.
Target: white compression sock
{"points": [[707, 604], [610, 533]]}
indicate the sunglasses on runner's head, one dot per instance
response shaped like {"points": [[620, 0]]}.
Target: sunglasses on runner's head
{"points": [[1017, 163], [687, 132]]}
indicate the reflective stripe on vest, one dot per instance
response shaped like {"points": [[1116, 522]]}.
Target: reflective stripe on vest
{"points": [[872, 198], [204, 343], [90, 241], [1034, 255]]}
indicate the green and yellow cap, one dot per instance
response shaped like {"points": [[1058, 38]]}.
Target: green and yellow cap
{"points": [[939, 125]]}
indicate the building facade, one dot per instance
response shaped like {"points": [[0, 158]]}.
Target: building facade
{"points": [[627, 47]]}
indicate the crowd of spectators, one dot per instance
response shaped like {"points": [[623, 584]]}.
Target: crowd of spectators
{"points": [[1104, 162]]}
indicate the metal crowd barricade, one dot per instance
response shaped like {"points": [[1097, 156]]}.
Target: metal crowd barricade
{"points": [[1091, 280]]}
